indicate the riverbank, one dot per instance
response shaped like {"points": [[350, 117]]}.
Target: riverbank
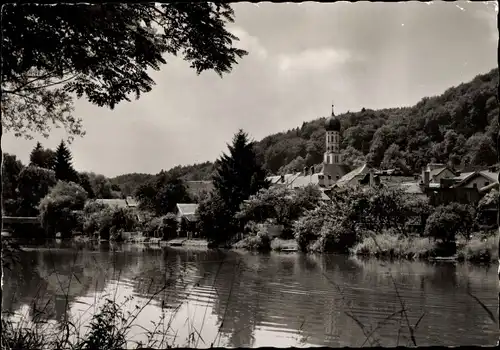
{"points": [[385, 246], [479, 249], [176, 242]]}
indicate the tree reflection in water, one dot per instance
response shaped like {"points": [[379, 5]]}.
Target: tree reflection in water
{"points": [[244, 299]]}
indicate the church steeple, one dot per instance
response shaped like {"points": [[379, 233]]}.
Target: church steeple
{"points": [[332, 127]]}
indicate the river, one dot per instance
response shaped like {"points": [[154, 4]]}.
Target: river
{"points": [[243, 299]]}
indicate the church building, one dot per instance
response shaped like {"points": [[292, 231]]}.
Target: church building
{"points": [[333, 168]]}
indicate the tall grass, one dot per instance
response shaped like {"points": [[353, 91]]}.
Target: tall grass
{"points": [[388, 245], [479, 249]]}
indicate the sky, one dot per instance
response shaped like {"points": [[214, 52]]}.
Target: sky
{"points": [[302, 58]]}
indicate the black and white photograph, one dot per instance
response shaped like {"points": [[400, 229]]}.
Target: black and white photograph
{"points": [[238, 174]]}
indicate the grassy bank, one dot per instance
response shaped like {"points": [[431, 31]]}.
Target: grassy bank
{"points": [[477, 249], [262, 242]]}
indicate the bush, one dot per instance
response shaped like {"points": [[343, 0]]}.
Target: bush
{"points": [[163, 226], [338, 238], [307, 228], [258, 242], [448, 221], [215, 220], [93, 206], [110, 222], [59, 209], [280, 204], [279, 244]]}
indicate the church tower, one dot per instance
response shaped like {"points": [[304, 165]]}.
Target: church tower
{"points": [[333, 167], [332, 154]]}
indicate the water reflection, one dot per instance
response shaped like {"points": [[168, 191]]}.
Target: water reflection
{"points": [[241, 299]]}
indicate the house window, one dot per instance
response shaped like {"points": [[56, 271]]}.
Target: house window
{"points": [[475, 185]]}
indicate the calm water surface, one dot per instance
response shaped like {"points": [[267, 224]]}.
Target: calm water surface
{"points": [[236, 299]]}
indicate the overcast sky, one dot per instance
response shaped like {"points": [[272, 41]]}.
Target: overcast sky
{"points": [[302, 57]]}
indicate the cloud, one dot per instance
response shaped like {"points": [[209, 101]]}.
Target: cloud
{"points": [[249, 43], [315, 59], [488, 14]]}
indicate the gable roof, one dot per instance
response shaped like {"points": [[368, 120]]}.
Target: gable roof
{"points": [[289, 178], [305, 180], [437, 171], [344, 180], [466, 177], [187, 210]]}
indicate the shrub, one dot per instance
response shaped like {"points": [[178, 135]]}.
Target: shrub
{"points": [[280, 204], [337, 238], [448, 221], [307, 228], [258, 242], [215, 220], [93, 206], [163, 226], [59, 209], [109, 222], [279, 244]]}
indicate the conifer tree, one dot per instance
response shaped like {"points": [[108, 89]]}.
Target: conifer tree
{"points": [[238, 175], [42, 157], [63, 166]]}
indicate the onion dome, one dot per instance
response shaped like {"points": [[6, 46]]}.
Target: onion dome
{"points": [[332, 123]]}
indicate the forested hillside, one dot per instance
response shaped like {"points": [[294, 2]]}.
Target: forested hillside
{"points": [[457, 127]]}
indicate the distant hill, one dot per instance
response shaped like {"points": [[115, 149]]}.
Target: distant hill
{"points": [[457, 127]]}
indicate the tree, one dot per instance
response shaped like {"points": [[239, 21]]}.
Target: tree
{"points": [[215, 220], [280, 203], [294, 166], [162, 193], [393, 158], [33, 184], [352, 157], [63, 166], [102, 186], [11, 168], [238, 174], [84, 181], [448, 221], [481, 150], [58, 209], [102, 52], [41, 157]]}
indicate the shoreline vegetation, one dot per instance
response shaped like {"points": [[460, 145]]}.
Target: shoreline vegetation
{"points": [[480, 248]]}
